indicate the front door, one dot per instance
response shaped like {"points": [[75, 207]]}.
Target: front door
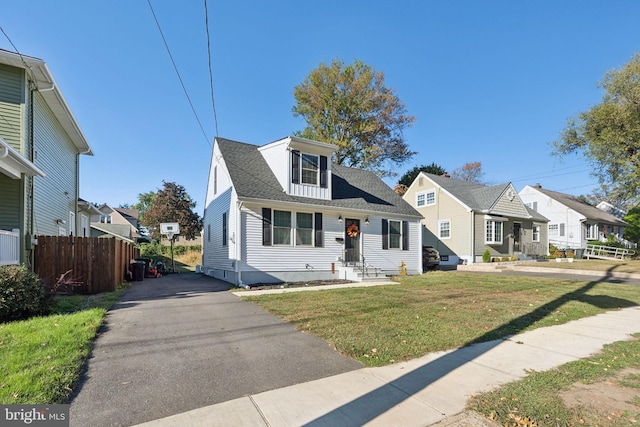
{"points": [[517, 232], [352, 240]]}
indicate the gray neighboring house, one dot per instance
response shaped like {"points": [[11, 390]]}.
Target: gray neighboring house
{"points": [[283, 212], [40, 148], [462, 220], [572, 222]]}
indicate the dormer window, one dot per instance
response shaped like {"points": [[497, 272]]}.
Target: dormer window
{"points": [[308, 169]]}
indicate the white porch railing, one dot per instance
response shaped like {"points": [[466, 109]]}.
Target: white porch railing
{"points": [[607, 252], [9, 247]]}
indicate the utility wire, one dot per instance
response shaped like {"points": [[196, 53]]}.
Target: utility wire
{"points": [[175, 67], [33, 79], [213, 103]]}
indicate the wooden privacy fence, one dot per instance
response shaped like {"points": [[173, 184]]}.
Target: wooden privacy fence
{"points": [[96, 264]]}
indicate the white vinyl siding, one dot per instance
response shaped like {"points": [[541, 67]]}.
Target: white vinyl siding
{"points": [[290, 258]]}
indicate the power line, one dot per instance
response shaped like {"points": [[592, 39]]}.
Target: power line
{"points": [[33, 79], [550, 176], [175, 67], [213, 103]]}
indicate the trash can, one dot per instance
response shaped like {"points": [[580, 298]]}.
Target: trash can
{"points": [[137, 268], [147, 265], [579, 253]]}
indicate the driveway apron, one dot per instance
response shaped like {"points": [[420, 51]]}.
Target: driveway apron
{"points": [[183, 341]]}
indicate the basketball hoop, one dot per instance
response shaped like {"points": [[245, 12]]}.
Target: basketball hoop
{"points": [[170, 229]]}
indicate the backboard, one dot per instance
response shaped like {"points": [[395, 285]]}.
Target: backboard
{"points": [[167, 228]]}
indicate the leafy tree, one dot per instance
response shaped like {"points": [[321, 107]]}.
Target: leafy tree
{"points": [[172, 204], [145, 201], [410, 176], [470, 172], [608, 134], [605, 193], [632, 232], [350, 106]]}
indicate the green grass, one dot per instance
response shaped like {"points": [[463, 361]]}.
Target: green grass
{"points": [[41, 358], [536, 397], [440, 311]]}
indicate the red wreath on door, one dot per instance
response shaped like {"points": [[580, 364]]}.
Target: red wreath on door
{"points": [[352, 230]]}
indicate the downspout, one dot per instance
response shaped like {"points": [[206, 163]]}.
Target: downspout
{"points": [[32, 179], [473, 238], [238, 244]]}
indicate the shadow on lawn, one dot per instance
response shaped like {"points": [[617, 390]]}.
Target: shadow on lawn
{"points": [[359, 411]]}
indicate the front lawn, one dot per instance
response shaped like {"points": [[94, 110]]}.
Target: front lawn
{"points": [[440, 311], [41, 358]]}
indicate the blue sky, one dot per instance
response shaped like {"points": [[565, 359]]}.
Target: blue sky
{"points": [[488, 81]]}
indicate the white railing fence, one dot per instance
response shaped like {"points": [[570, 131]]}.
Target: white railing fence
{"points": [[9, 247], [607, 252]]}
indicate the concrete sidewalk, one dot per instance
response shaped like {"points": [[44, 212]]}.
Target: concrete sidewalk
{"points": [[420, 392]]}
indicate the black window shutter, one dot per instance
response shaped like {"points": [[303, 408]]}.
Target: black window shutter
{"points": [[266, 227], [405, 235], [295, 167], [385, 234], [318, 227], [323, 172]]}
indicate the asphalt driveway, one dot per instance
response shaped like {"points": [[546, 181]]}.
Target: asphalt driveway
{"points": [[182, 342]]}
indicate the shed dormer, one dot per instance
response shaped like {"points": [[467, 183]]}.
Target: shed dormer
{"points": [[302, 166]]}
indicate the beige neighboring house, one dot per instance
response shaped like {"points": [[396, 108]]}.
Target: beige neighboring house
{"points": [[462, 220], [115, 222]]}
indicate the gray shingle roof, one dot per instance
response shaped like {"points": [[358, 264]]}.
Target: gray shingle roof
{"points": [[476, 196], [590, 212], [351, 188]]}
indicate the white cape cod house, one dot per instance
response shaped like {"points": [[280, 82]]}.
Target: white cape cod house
{"points": [[282, 212]]}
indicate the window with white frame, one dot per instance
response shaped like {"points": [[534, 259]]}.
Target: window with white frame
{"points": [[493, 232], [556, 230], [536, 233], [591, 231], [278, 226], [304, 229], [444, 228], [431, 197], [105, 219], [281, 227], [395, 233], [310, 169], [420, 200]]}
